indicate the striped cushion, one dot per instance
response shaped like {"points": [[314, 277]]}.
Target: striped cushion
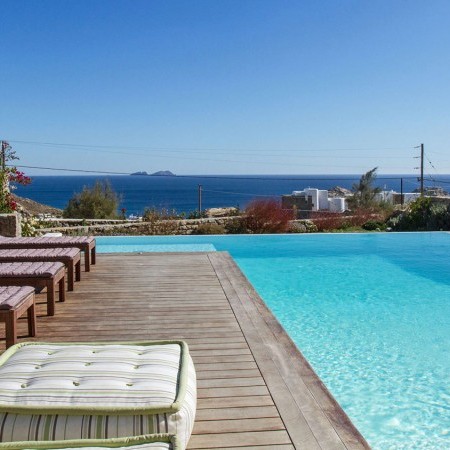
{"points": [[146, 442], [96, 391]]}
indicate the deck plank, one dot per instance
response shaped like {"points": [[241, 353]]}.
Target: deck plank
{"points": [[255, 389]]}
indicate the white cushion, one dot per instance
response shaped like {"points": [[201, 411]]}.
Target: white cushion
{"points": [[93, 391]]}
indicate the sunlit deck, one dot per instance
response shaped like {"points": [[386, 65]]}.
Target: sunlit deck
{"points": [[255, 390]]}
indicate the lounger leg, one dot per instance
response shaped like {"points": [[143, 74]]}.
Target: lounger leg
{"points": [[87, 258], [93, 255], [50, 298], [62, 290], [11, 329], [31, 312], [78, 271], [70, 271]]}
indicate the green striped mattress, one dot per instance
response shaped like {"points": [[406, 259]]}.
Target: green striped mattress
{"points": [[52, 391], [148, 442]]}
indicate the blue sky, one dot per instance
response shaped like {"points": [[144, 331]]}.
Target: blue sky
{"points": [[226, 87]]}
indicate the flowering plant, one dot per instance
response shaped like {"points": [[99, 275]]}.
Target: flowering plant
{"points": [[30, 226], [9, 174]]}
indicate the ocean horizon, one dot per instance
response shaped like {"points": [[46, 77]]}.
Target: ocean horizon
{"points": [[180, 193]]}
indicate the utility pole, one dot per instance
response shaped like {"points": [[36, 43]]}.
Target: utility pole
{"points": [[422, 154], [421, 169], [3, 145], [401, 191], [199, 198], [4, 183]]}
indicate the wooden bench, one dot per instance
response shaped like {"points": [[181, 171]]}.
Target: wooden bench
{"points": [[37, 274], [70, 257], [85, 243], [14, 301]]}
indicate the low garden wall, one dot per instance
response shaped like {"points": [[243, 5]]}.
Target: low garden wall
{"points": [[10, 225], [118, 228]]}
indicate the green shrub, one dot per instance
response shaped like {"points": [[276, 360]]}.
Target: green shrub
{"points": [[439, 218], [372, 225], [160, 222], [196, 215], [303, 226], [98, 202], [152, 214], [422, 215], [209, 228], [364, 192], [236, 226]]}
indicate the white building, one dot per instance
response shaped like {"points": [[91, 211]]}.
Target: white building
{"points": [[317, 200], [395, 197]]}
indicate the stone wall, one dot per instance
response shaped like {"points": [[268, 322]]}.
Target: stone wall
{"points": [[169, 227], [440, 200], [10, 225], [62, 222]]}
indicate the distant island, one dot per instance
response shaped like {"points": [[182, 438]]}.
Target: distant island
{"points": [[160, 173]]}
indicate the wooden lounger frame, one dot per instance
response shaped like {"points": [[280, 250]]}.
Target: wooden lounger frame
{"points": [[87, 247], [40, 282], [73, 264], [10, 316]]}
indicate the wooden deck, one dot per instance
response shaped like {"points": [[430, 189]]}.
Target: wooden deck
{"points": [[255, 389]]}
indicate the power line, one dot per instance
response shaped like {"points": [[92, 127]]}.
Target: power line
{"points": [[253, 162], [434, 180], [232, 177], [241, 193], [202, 149], [293, 153], [429, 162], [71, 170]]}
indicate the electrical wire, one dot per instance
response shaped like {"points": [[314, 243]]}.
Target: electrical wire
{"points": [[232, 177], [202, 149], [242, 193], [69, 170]]}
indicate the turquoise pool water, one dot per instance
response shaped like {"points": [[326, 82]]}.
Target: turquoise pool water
{"points": [[371, 312]]}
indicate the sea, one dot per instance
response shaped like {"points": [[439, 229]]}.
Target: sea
{"points": [[181, 193]]}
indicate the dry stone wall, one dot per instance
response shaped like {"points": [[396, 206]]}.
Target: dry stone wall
{"points": [[10, 225], [112, 228]]}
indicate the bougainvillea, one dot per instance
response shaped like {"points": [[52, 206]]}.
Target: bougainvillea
{"points": [[9, 176]]}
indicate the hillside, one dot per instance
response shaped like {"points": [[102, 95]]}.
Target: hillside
{"points": [[34, 208]]}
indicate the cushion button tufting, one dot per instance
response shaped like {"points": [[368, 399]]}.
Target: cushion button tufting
{"points": [[136, 367], [76, 383], [23, 386], [37, 367], [88, 364], [129, 384]]}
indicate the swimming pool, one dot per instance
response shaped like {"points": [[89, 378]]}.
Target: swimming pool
{"points": [[371, 313]]}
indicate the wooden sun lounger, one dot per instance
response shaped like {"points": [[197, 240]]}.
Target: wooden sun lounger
{"points": [[70, 257], [38, 275], [85, 243], [14, 301]]}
